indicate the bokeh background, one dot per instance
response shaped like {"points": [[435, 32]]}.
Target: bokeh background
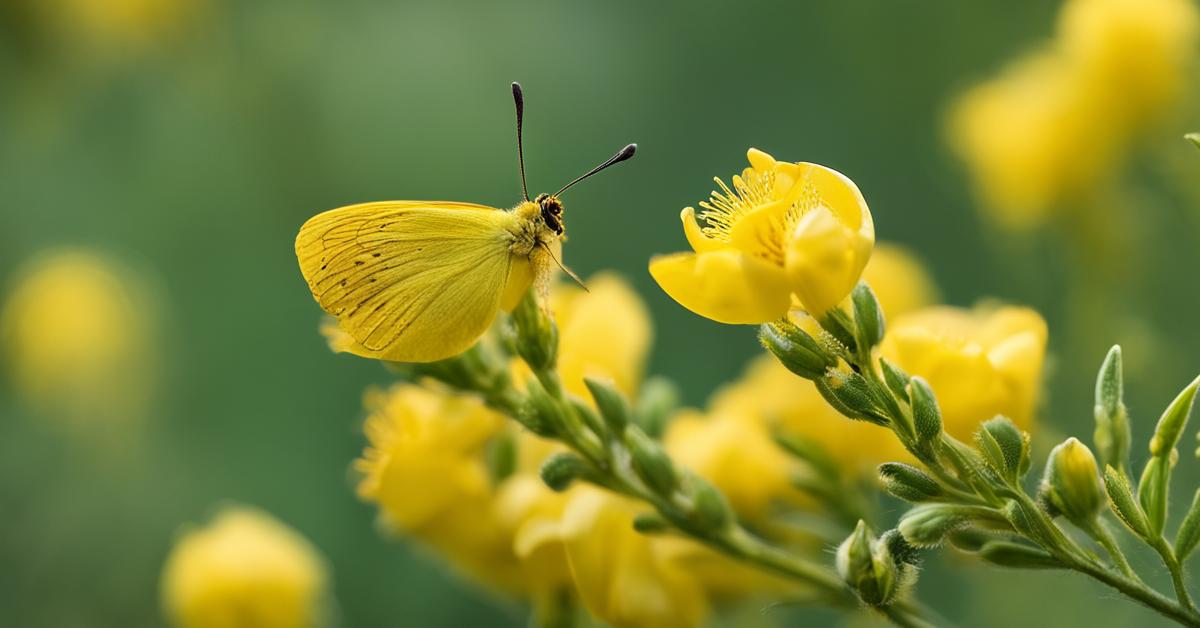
{"points": [[187, 140]]}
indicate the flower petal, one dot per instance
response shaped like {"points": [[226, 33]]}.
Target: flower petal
{"points": [[726, 286], [695, 236]]}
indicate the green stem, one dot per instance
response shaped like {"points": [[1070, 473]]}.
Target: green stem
{"points": [[1167, 553], [1100, 532]]}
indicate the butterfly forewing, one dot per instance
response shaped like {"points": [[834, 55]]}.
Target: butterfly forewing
{"points": [[409, 281]]}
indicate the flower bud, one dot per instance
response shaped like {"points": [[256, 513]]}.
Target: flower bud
{"points": [[563, 468], [1112, 420], [1018, 556], [1174, 418], [895, 377], [1189, 531], [540, 414], [650, 461], [1152, 492], [849, 393], [908, 483], [656, 402], [1120, 494], [928, 525], [711, 509], [868, 315], [650, 523], [867, 565], [537, 335], [1071, 484], [611, 403], [1194, 138], [795, 349], [927, 417], [1005, 447]]}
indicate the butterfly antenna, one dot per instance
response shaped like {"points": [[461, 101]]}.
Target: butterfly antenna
{"points": [[519, 100], [570, 273], [622, 155]]}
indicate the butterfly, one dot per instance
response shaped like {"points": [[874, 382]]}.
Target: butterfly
{"points": [[419, 281]]}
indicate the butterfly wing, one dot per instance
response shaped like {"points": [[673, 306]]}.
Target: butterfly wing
{"points": [[409, 281]]}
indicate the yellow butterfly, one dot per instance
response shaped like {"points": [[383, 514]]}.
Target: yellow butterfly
{"points": [[418, 281]]}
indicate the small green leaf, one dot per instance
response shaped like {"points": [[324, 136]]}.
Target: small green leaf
{"points": [[1194, 138]]}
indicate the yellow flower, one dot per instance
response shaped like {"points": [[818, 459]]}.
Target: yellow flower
{"points": [[425, 469], [78, 333], [113, 27], [784, 229], [735, 452], [980, 362], [899, 280], [603, 333], [622, 576], [1136, 54], [244, 570]]}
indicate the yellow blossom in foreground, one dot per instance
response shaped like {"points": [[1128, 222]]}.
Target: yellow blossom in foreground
{"points": [[244, 570], [622, 576], [784, 229], [78, 331], [425, 469], [980, 362]]}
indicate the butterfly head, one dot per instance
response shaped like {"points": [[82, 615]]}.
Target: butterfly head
{"points": [[552, 211]]}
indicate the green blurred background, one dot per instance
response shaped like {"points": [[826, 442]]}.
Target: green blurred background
{"points": [[195, 159]]}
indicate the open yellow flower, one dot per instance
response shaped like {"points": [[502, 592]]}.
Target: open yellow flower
{"points": [[783, 230], [980, 362], [244, 570]]}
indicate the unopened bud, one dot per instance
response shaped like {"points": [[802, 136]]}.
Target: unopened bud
{"points": [[908, 483], [849, 393], [650, 461], [1004, 447], [795, 349], [868, 315], [712, 511], [1018, 556], [928, 525], [1194, 138], [927, 416], [1174, 418], [611, 403], [537, 335], [1112, 434], [657, 400], [867, 565], [1071, 484], [1120, 494], [562, 468], [1152, 492], [540, 414], [650, 523]]}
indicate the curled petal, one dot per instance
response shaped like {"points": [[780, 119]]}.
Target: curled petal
{"points": [[825, 258], [726, 286], [695, 236]]}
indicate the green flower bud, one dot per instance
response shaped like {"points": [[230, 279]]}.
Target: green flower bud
{"points": [[1152, 492], [867, 565], [537, 335], [562, 468], [811, 452], [928, 525], [1120, 494], [611, 403], [839, 326], [540, 414], [650, 523], [650, 461], [710, 508], [1174, 418], [908, 483], [657, 401], [850, 394], [1194, 138], [927, 417], [895, 377], [795, 349], [1004, 447], [1071, 484], [1018, 555], [1112, 420], [868, 315]]}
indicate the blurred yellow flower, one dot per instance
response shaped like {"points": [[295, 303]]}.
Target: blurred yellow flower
{"points": [[112, 27], [604, 333], [78, 334], [245, 570], [425, 469], [980, 362], [1055, 125], [622, 576], [784, 229], [899, 279]]}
